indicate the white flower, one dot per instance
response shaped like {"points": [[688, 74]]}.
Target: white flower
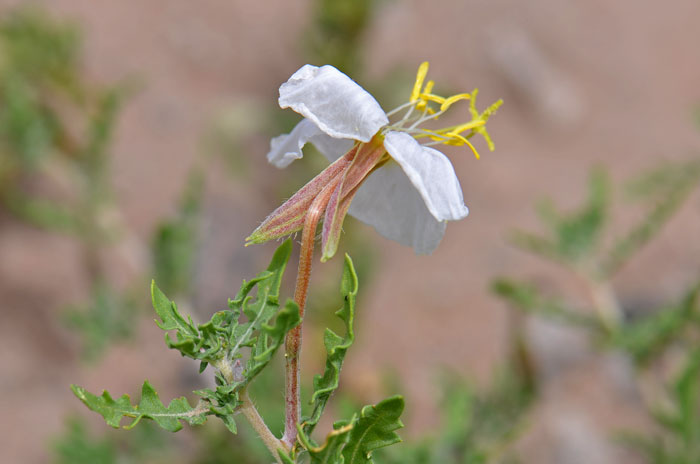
{"points": [[405, 190]]}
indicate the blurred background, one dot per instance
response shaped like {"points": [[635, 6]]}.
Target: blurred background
{"points": [[558, 323]]}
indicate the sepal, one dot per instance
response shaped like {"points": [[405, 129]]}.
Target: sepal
{"points": [[289, 217]]}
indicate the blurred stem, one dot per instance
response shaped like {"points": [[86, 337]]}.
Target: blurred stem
{"points": [[605, 301], [293, 340]]}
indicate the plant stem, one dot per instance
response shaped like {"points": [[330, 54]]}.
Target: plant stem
{"points": [[247, 408], [251, 413], [293, 340]]}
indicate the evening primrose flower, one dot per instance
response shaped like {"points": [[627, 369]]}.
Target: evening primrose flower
{"points": [[383, 169]]}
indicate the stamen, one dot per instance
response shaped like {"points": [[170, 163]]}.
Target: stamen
{"points": [[423, 100], [453, 99], [420, 78]]}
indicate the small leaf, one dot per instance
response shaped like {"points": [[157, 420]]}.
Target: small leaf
{"points": [[150, 407], [169, 315], [374, 429]]}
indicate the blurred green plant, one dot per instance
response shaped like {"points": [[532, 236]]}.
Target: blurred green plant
{"points": [[78, 445], [677, 439], [477, 427], [55, 136], [337, 30], [580, 241], [174, 242], [53, 125], [106, 319]]}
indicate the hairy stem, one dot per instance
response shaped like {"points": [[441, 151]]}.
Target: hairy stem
{"points": [[251, 413], [293, 340]]}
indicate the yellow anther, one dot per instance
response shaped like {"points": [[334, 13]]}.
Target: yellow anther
{"points": [[420, 78], [429, 86], [432, 97], [449, 101], [463, 127]]}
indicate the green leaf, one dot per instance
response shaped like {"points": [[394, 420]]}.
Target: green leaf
{"points": [[336, 348], [225, 336], [374, 429], [253, 328], [150, 407], [169, 315]]}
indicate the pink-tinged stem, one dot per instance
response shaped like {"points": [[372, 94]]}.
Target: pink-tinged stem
{"points": [[293, 340]]}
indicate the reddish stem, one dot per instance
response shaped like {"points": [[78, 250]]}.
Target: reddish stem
{"points": [[293, 340]]}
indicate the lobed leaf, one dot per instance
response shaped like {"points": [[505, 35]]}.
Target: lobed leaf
{"points": [[336, 348], [150, 407]]}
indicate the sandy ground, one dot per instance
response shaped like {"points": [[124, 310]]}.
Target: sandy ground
{"points": [[584, 83]]}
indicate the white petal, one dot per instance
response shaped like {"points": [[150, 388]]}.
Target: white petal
{"points": [[388, 202], [338, 106], [431, 173], [286, 148]]}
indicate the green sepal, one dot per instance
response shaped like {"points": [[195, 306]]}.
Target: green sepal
{"points": [[149, 407], [374, 429], [336, 348]]}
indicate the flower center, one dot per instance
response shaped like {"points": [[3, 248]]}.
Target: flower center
{"points": [[424, 106]]}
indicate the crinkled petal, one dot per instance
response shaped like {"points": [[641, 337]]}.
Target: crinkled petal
{"points": [[431, 173], [286, 148], [334, 102], [389, 202]]}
